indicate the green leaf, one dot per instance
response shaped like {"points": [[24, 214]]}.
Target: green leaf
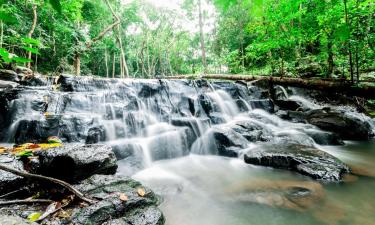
{"points": [[31, 41], [7, 18], [21, 60], [34, 216], [56, 5], [26, 153], [32, 50]]}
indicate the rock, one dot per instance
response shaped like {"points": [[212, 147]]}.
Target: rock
{"points": [[95, 135], [8, 84], [228, 142], [24, 70], [252, 131], [149, 216], [9, 181], [302, 159], [14, 220], [345, 125], [75, 161], [136, 210], [265, 104], [36, 130], [324, 138], [288, 104], [8, 75]]}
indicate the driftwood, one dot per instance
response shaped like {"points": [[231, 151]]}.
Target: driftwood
{"points": [[77, 193], [340, 86]]}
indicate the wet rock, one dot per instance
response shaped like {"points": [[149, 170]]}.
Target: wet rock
{"points": [[75, 162], [8, 84], [324, 138], [36, 130], [9, 181], [8, 75], [95, 135], [148, 216], [228, 142], [288, 104], [302, 159], [136, 210], [265, 104], [251, 130], [14, 220], [345, 125], [206, 103], [149, 89], [295, 195]]}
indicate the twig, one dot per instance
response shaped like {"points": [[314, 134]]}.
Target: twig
{"points": [[27, 201], [77, 193], [12, 192]]}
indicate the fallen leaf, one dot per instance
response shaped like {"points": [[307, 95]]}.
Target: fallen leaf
{"points": [[34, 216], [46, 114], [141, 192], [50, 210], [26, 153], [2, 150], [123, 197], [54, 140]]}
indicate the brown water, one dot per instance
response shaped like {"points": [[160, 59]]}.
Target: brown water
{"points": [[213, 190]]}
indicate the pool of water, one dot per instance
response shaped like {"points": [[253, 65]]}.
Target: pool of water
{"points": [[213, 190]]}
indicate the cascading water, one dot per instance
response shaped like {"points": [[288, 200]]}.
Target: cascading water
{"points": [[165, 132]]}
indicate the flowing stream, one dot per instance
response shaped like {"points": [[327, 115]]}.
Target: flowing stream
{"points": [[163, 134]]}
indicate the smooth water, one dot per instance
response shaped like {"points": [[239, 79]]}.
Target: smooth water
{"points": [[216, 190]]}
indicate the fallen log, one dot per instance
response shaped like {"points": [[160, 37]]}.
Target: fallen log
{"points": [[339, 86]]}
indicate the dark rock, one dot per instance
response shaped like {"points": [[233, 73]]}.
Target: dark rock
{"points": [[14, 220], [8, 75], [345, 125], [252, 131], [324, 138], [149, 89], [206, 103], [228, 142], [265, 104], [137, 210], [302, 159], [217, 118], [75, 162], [9, 181], [36, 130], [95, 135], [288, 104]]}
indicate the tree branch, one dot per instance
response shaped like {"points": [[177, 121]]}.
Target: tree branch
{"points": [[77, 193], [26, 201]]}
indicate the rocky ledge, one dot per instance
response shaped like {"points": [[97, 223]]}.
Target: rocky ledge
{"points": [[302, 159], [118, 200]]}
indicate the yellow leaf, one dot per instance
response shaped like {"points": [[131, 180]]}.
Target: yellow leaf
{"points": [[47, 114], [123, 197], [34, 217], [2, 150], [141, 192]]}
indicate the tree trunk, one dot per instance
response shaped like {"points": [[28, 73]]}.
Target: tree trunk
{"points": [[203, 48], [77, 63], [349, 45], [30, 34], [106, 62], [113, 65], [330, 62]]}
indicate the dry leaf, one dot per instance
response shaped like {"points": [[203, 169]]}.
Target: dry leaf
{"points": [[141, 192], [123, 197], [2, 150]]}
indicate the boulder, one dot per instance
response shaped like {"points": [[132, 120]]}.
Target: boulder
{"points": [[36, 130], [265, 104], [136, 209], [299, 158], [9, 181], [228, 142], [347, 126], [95, 135], [324, 138], [14, 220], [288, 104], [8, 75], [75, 161]]}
